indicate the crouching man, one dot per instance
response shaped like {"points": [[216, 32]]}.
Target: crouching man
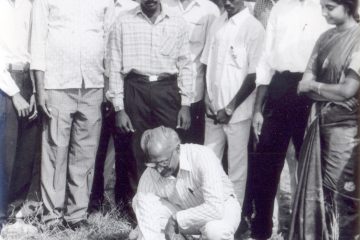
{"points": [[184, 191]]}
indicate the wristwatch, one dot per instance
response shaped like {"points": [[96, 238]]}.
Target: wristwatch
{"points": [[228, 111]]}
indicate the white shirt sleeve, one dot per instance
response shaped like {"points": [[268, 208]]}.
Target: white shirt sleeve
{"points": [[7, 84], [39, 34], [264, 72]]}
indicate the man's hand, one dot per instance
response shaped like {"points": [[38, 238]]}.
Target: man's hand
{"points": [[184, 119], [21, 105], [123, 122], [33, 108], [222, 117], [171, 229], [42, 99], [257, 123]]}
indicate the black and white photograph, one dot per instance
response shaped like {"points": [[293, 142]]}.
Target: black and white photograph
{"points": [[179, 120]]}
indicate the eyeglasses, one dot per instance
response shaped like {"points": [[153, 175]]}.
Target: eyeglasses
{"points": [[160, 165]]}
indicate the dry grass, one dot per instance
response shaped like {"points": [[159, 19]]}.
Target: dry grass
{"points": [[105, 225]]}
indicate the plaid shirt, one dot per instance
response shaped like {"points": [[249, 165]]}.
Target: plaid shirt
{"points": [[149, 48]]}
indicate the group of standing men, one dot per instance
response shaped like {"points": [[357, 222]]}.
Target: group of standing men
{"points": [[177, 63]]}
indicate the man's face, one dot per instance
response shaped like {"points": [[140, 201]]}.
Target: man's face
{"points": [[166, 163], [334, 13], [232, 7], [149, 5]]}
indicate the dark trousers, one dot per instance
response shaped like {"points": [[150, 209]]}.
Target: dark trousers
{"points": [[196, 132], [123, 155], [149, 105], [285, 118], [22, 146]]}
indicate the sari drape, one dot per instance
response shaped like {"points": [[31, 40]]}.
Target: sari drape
{"points": [[326, 204]]}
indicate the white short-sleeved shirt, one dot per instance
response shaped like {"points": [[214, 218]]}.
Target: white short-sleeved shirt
{"points": [[199, 15], [292, 30], [14, 39], [232, 51]]}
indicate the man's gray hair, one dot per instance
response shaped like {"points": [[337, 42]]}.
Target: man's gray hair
{"points": [[158, 140]]}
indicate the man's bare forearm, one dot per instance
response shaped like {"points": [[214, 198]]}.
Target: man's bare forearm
{"points": [[260, 97], [39, 80], [245, 90]]}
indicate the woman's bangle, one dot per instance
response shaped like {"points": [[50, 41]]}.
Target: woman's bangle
{"points": [[319, 88]]}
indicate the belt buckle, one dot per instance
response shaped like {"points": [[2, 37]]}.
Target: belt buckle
{"points": [[153, 78]]}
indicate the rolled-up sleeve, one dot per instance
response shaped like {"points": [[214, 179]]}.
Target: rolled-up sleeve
{"points": [[116, 80], [184, 65], [40, 14]]}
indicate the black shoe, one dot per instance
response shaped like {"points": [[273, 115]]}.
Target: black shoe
{"points": [[77, 225]]}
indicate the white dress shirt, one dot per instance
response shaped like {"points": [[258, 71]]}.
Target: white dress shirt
{"points": [[199, 190], [199, 15], [292, 30], [68, 41], [14, 39], [232, 51]]}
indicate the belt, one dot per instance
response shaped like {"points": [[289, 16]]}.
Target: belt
{"points": [[18, 67], [151, 78]]}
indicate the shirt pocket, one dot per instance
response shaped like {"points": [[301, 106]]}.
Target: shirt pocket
{"points": [[196, 32], [168, 43], [236, 57]]}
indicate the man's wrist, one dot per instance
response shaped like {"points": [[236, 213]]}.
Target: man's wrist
{"points": [[118, 109], [229, 110], [15, 95]]}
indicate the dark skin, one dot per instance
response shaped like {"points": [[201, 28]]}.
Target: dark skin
{"points": [[245, 90], [232, 7], [41, 95]]}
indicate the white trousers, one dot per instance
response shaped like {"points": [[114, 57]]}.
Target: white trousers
{"points": [[236, 135], [152, 214]]}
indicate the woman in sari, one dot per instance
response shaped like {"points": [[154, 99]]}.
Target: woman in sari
{"points": [[327, 200]]}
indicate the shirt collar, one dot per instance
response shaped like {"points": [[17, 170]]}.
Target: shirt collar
{"points": [[238, 18], [163, 13], [184, 163]]}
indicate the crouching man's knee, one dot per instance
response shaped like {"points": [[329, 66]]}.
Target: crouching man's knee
{"points": [[217, 230]]}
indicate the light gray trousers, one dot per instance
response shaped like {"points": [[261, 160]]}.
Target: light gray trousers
{"points": [[69, 144]]}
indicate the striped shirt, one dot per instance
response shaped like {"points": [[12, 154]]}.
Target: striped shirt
{"points": [[200, 188], [68, 41], [151, 49]]}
